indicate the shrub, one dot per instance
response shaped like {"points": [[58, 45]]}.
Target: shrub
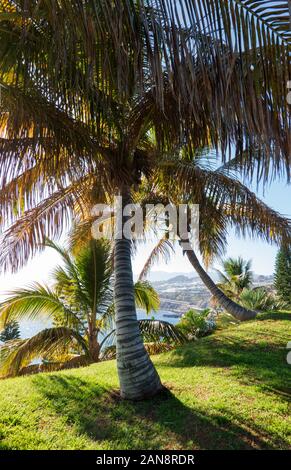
{"points": [[261, 300], [196, 324]]}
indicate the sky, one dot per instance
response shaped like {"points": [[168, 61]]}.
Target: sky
{"points": [[278, 196]]}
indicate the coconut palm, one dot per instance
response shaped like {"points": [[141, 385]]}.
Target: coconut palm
{"points": [[235, 277], [85, 83], [224, 202], [239, 312], [80, 306]]}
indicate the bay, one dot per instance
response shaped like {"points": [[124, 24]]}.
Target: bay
{"points": [[30, 328]]}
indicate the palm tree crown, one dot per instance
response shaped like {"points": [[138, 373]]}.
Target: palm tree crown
{"points": [[236, 277]]}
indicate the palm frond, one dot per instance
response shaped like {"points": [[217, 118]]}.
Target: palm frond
{"points": [[41, 129], [162, 251], [157, 330], [146, 297], [52, 366], [225, 64], [34, 302], [81, 234], [48, 342], [153, 331], [94, 265], [47, 220], [276, 17], [233, 198], [237, 276]]}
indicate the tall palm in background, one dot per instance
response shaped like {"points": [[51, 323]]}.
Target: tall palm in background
{"points": [[224, 203], [83, 84], [80, 306]]}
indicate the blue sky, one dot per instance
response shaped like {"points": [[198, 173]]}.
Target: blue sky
{"points": [[278, 196]]}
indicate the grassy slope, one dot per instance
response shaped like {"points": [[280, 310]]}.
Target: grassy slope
{"points": [[228, 391]]}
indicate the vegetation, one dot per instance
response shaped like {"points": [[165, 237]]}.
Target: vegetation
{"points": [[229, 390], [88, 104], [283, 275], [196, 324], [237, 282], [261, 299], [146, 100], [236, 277], [223, 202], [80, 306], [10, 332]]}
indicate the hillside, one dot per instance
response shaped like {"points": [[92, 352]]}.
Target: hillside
{"points": [[230, 390], [180, 293]]}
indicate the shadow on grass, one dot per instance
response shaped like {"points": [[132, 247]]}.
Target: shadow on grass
{"points": [[259, 357], [260, 362], [279, 316], [161, 423]]}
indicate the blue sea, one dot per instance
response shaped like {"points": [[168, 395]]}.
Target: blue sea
{"points": [[29, 328]]}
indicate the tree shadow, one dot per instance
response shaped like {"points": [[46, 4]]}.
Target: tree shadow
{"points": [[279, 316], [161, 423], [165, 422], [258, 362]]}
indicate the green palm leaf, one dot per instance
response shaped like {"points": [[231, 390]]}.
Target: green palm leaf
{"points": [[35, 302], [152, 331], [155, 330], [146, 296], [162, 251], [16, 354]]}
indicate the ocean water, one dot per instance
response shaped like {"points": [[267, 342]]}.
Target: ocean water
{"points": [[30, 328]]}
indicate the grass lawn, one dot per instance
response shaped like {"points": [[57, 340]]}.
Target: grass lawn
{"points": [[230, 390]]}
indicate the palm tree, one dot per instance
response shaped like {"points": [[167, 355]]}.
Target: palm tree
{"points": [[239, 312], [80, 306], [83, 85], [224, 201], [236, 277]]}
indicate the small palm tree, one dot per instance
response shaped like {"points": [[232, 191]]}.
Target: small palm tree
{"points": [[195, 324], [80, 306], [236, 276], [261, 299]]}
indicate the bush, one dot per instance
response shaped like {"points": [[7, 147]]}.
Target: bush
{"points": [[196, 324], [261, 300]]}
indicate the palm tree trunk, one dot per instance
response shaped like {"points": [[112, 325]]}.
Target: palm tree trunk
{"points": [[94, 347], [236, 310], [138, 377]]}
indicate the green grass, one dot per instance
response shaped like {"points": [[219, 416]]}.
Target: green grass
{"points": [[230, 390]]}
